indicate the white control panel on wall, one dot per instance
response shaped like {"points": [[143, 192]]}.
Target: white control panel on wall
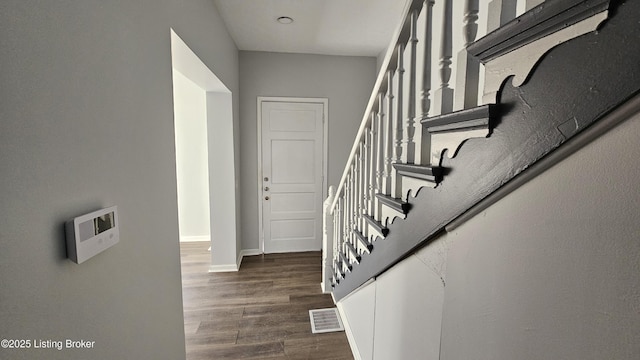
{"points": [[91, 234]]}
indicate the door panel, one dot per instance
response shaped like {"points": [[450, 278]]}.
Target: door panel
{"points": [[293, 161], [296, 202], [292, 165]]}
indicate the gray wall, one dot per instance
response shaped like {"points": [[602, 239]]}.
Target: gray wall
{"points": [[346, 81], [551, 271], [86, 121]]}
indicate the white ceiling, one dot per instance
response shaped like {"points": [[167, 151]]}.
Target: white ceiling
{"points": [[330, 27]]}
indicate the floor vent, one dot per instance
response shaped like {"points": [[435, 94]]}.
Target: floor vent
{"points": [[325, 320]]}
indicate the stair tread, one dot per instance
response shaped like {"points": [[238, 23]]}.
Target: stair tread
{"points": [[423, 172], [345, 261], [547, 18], [394, 203], [363, 240], [477, 117], [377, 225], [353, 251]]}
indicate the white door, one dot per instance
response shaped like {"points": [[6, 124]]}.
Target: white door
{"points": [[292, 175]]}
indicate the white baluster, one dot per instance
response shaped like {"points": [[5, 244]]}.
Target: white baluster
{"points": [[327, 240], [427, 44], [336, 217], [361, 188], [399, 104], [500, 12], [337, 228], [365, 178], [372, 168], [345, 212], [409, 146], [468, 72], [388, 137], [526, 5], [425, 86], [397, 134], [530, 4], [379, 153], [354, 203], [341, 220], [348, 210], [443, 96]]}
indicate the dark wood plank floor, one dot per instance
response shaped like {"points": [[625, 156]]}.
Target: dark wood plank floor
{"points": [[259, 312]]}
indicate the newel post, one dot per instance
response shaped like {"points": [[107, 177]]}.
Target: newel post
{"points": [[327, 241]]}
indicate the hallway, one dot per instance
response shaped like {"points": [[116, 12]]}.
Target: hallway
{"points": [[259, 312]]}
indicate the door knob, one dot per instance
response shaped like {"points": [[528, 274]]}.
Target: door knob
{"points": [[266, 188], [266, 198]]}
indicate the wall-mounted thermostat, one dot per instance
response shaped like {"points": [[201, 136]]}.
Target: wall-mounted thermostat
{"points": [[90, 234]]}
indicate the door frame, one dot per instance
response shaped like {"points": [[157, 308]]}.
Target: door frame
{"points": [[325, 148]]}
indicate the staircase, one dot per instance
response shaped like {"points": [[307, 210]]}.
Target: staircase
{"points": [[425, 154]]}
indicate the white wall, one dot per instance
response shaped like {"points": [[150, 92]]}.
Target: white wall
{"points": [[358, 316], [218, 148], [551, 271], [346, 81], [398, 316], [207, 36], [225, 239], [192, 160], [86, 121]]}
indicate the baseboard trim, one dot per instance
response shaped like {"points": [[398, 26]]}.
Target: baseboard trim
{"points": [[236, 266], [223, 268], [195, 238], [246, 252], [348, 332]]}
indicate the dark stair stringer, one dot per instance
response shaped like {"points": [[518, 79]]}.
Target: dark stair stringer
{"points": [[574, 85]]}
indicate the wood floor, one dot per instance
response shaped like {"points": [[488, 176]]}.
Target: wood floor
{"points": [[259, 312]]}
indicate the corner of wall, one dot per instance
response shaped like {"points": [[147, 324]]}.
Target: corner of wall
{"points": [[348, 331]]}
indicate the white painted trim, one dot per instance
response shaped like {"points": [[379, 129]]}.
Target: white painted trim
{"points": [[195, 238], [192, 67], [222, 191], [521, 61], [239, 260], [348, 332], [246, 252], [325, 148], [325, 284], [345, 320], [223, 268], [250, 252], [236, 266]]}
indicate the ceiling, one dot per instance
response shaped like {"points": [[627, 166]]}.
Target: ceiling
{"points": [[330, 27]]}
